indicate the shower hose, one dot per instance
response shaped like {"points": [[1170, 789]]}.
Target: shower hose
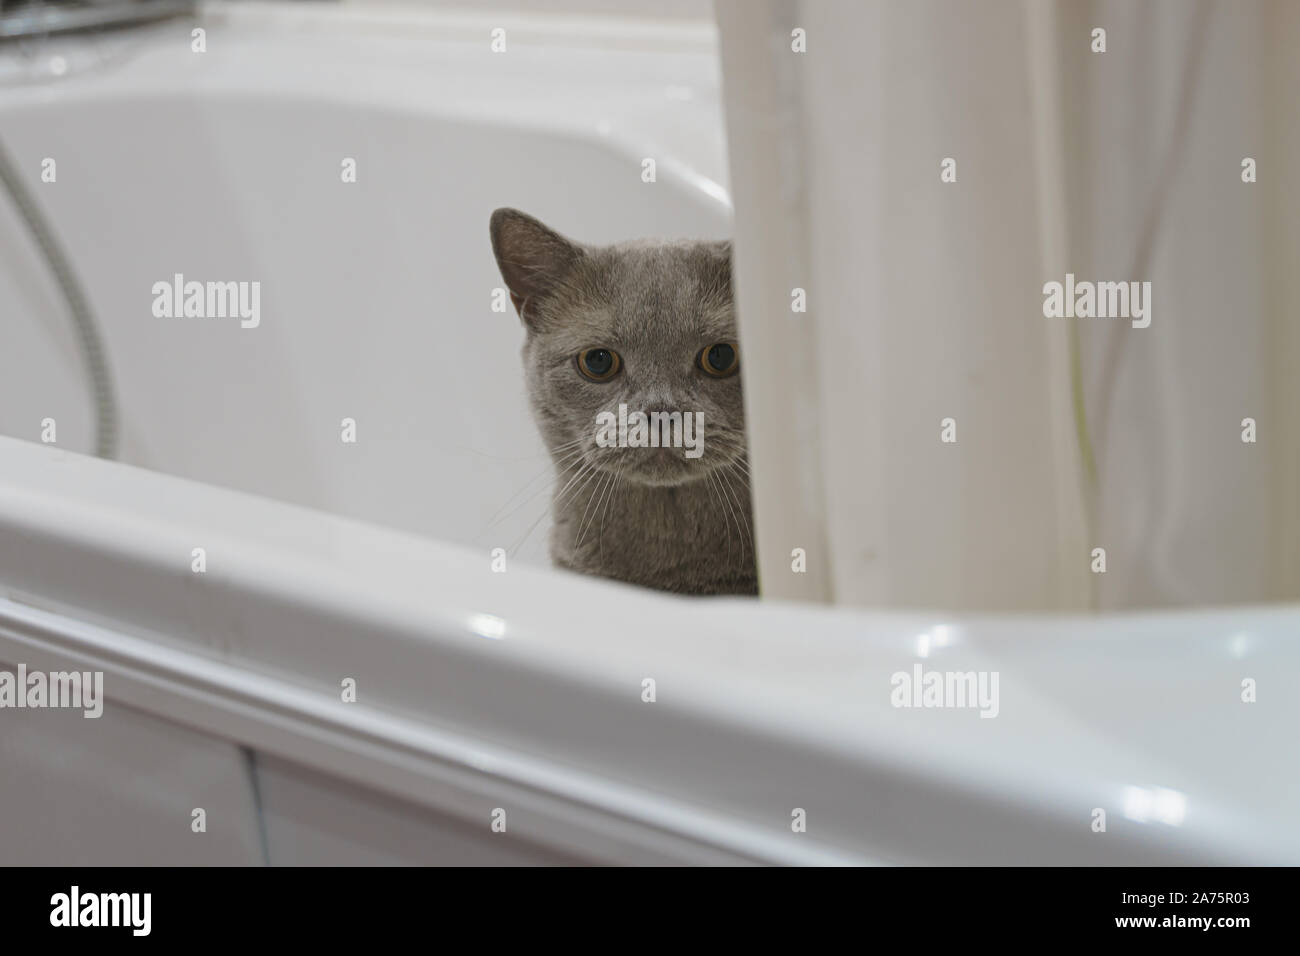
{"points": [[87, 332]]}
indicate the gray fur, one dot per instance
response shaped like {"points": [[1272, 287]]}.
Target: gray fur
{"points": [[648, 516]]}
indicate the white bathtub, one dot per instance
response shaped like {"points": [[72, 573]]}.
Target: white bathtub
{"points": [[480, 692]]}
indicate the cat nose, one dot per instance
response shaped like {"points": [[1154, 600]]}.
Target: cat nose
{"points": [[654, 402]]}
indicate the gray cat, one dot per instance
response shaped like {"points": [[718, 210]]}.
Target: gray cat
{"points": [[648, 325]]}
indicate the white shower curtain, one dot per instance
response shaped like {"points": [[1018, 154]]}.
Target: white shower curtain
{"points": [[923, 435]]}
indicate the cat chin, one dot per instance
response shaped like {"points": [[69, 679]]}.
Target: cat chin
{"points": [[664, 474], [665, 481]]}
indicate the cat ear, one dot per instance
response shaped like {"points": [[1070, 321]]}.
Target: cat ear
{"points": [[532, 257]]}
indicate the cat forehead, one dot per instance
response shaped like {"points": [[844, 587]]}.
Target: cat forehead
{"points": [[662, 264], [626, 327], [654, 289]]}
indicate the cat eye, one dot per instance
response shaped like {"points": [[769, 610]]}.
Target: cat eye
{"points": [[720, 361], [599, 365]]}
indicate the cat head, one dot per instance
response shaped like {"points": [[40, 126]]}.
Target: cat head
{"points": [[648, 325]]}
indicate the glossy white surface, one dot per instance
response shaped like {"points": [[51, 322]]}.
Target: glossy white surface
{"points": [[760, 708], [478, 690]]}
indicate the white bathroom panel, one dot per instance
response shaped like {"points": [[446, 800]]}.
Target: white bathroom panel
{"points": [[312, 819], [120, 790], [477, 690]]}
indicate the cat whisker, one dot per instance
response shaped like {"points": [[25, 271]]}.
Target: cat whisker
{"points": [[597, 495], [541, 454], [594, 474], [545, 511], [600, 505], [524, 502], [600, 537], [546, 474], [588, 470], [514, 548], [551, 472], [568, 453], [728, 474], [486, 454], [741, 525], [715, 494], [569, 444], [734, 507]]}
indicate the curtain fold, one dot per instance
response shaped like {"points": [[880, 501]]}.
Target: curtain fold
{"points": [[923, 433]]}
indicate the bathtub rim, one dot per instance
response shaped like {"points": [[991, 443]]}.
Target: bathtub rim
{"points": [[419, 764], [70, 512]]}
